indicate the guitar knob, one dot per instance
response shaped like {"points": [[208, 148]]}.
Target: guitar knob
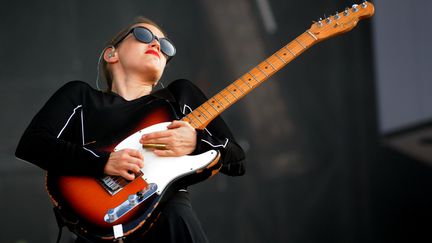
{"points": [[133, 199], [140, 195]]}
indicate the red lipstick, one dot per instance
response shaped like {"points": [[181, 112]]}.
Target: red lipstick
{"points": [[153, 52]]}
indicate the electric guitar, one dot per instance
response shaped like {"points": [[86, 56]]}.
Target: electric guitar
{"points": [[92, 207]]}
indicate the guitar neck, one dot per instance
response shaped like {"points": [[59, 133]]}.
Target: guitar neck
{"points": [[209, 110]]}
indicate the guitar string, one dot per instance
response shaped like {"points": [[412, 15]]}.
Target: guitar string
{"points": [[276, 63], [273, 60]]}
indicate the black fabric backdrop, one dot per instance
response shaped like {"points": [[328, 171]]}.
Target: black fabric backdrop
{"points": [[309, 183]]}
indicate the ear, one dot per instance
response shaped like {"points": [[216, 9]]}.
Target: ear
{"points": [[110, 54]]}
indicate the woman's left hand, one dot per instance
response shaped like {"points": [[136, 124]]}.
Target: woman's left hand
{"points": [[180, 139]]}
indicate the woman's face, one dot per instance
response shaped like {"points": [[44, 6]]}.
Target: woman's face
{"points": [[141, 58]]}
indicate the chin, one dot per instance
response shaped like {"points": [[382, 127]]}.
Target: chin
{"points": [[152, 72], [154, 64], [156, 77]]}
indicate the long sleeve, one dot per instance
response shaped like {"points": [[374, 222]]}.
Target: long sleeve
{"points": [[217, 135], [44, 144]]}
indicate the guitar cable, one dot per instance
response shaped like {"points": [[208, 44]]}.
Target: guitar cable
{"points": [[59, 234]]}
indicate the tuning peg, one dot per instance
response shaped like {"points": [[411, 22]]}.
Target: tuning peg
{"points": [[336, 16], [319, 23], [327, 19], [346, 12], [364, 4], [354, 8]]}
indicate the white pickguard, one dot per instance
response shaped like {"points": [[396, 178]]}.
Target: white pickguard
{"points": [[163, 170]]}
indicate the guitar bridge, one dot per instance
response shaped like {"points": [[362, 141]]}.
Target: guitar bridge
{"points": [[114, 184]]}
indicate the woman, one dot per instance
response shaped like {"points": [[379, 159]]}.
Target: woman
{"points": [[75, 131]]}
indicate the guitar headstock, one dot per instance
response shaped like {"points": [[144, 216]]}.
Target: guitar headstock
{"points": [[342, 22]]}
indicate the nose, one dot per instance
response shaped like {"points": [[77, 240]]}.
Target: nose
{"points": [[155, 43]]}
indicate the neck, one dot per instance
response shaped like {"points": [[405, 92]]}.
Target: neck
{"points": [[131, 90]]}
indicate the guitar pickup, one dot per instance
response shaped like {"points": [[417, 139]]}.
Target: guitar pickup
{"points": [[113, 184], [130, 203]]}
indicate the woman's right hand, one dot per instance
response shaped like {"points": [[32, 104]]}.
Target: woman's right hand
{"points": [[124, 163]]}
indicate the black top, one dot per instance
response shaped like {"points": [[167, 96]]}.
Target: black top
{"points": [[78, 127]]}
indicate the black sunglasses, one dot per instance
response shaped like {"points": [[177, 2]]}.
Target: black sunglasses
{"points": [[146, 36]]}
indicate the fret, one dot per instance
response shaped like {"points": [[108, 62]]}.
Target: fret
{"points": [[229, 102], [186, 119], [262, 71], [245, 82], [270, 64], [310, 33], [211, 114], [253, 77], [213, 107], [292, 53], [238, 88], [193, 114], [301, 44], [193, 123], [202, 113], [235, 96], [190, 121], [280, 58], [221, 105]]}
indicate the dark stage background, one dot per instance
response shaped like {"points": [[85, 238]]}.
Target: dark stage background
{"points": [[318, 169]]}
